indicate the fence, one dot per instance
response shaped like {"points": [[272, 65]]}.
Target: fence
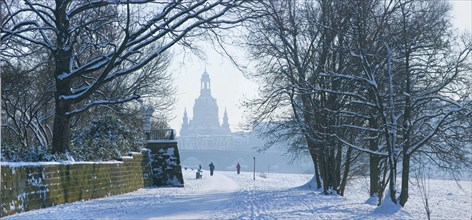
{"points": [[160, 134]]}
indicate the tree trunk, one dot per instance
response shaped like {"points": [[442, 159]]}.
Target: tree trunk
{"points": [[61, 130], [339, 167], [374, 163], [347, 167], [314, 157], [405, 179], [63, 58], [317, 172], [323, 173], [393, 178], [335, 171], [381, 184], [61, 127]]}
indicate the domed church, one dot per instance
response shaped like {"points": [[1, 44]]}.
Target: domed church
{"points": [[204, 131], [205, 114], [203, 139]]}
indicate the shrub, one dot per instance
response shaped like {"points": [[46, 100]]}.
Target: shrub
{"points": [[107, 138], [13, 153]]}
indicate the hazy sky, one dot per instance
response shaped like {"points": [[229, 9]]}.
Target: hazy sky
{"points": [[230, 87]]}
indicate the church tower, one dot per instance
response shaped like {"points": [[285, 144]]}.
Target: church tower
{"points": [[205, 120], [185, 118], [225, 124], [185, 124], [205, 84]]}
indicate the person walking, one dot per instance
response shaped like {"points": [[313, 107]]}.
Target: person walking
{"points": [[212, 168], [238, 167]]}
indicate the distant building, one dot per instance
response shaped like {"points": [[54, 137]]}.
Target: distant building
{"points": [[205, 114], [204, 131], [203, 139]]}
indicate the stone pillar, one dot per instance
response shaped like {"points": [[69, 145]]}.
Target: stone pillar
{"points": [[165, 163]]}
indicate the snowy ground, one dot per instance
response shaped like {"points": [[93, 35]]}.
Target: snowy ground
{"points": [[279, 196]]}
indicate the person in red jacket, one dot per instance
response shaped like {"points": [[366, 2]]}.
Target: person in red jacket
{"points": [[238, 168]]}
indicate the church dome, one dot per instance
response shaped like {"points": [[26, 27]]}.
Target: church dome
{"points": [[205, 114]]}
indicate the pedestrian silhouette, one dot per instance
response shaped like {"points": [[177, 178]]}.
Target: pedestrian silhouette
{"points": [[238, 167], [212, 168]]}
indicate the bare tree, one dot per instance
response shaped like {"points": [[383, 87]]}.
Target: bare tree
{"points": [[294, 43], [412, 79], [66, 29], [27, 97], [378, 77], [432, 71]]}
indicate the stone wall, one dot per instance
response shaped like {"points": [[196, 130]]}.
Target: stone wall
{"points": [[166, 168], [28, 186]]}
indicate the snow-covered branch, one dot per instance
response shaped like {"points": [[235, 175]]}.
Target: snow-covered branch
{"points": [[102, 102]]}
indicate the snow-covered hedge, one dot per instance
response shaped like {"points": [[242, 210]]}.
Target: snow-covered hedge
{"points": [[106, 138], [14, 153]]}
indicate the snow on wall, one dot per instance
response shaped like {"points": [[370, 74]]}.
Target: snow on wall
{"points": [[165, 163], [35, 186], [29, 186]]}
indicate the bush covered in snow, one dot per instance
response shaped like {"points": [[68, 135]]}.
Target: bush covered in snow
{"points": [[107, 138], [15, 153]]}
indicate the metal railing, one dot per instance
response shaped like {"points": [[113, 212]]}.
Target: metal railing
{"points": [[159, 134]]}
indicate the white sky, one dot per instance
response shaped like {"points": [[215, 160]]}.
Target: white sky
{"points": [[230, 87]]}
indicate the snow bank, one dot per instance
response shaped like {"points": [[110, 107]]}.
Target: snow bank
{"points": [[227, 195]]}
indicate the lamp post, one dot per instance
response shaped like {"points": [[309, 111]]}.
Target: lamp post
{"points": [[254, 173], [147, 111]]}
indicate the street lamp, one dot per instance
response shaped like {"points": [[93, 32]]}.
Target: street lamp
{"points": [[254, 173]]}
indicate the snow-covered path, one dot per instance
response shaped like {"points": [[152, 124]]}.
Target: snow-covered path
{"points": [[279, 196]]}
